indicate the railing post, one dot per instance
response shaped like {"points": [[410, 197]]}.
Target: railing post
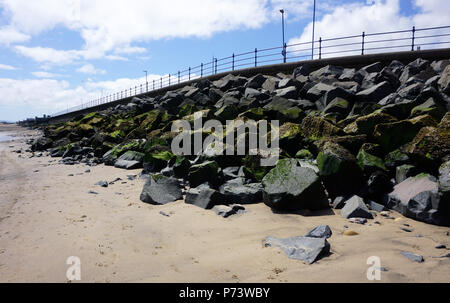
{"points": [[320, 47], [153, 84], [256, 57], [215, 63], [412, 42], [178, 77], [130, 92], [189, 73], [232, 66], [362, 44], [169, 79], [141, 88], [201, 70], [161, 82], [135, 90]]}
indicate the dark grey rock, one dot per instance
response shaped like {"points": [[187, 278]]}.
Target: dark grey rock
{"points": [[223, 210], [159, 189], [102, 183], [306, 249], [164, 214], [204, 196], [440, 246], [376, 206], [339, 202], [244, 194], [413, 257], [355, 208], [375, 93], [92, 192], [321, 231], [126, 164], [288, 92]]}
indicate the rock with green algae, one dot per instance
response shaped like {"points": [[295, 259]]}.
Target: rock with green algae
{"points": [[370, 163], [392, 135], [317, 127], [366, 124], [111, 156], [289, 186], [208, 171], [339, 170]]}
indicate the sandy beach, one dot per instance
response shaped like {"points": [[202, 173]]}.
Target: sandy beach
{"points": [[46, 216]]}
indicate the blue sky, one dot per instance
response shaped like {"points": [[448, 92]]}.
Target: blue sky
{"points": [[56, 54]]}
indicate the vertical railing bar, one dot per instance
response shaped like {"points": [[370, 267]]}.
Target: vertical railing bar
{"points": [[320, 47], [362, 46]]}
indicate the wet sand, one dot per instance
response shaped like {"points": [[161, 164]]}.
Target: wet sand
{"points": [[47, 216]]}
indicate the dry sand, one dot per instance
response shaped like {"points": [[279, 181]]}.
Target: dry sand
{"points": [[47, 216]]}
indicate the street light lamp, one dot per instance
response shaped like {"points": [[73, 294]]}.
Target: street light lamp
{"points": [[283, 52], [146, 83], [314, 20]]}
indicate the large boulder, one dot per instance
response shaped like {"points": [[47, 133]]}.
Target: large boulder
{"points": [[318, 127], [159, 189], [130, 160], [394, 134], [204, 196], [207, 171], [291, 187], [241, 193], [366, 124], [375, 93], [339, 170], [418, 198], [431, 144], [41, 144]]}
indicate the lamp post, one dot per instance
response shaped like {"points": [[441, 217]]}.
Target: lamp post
{"points": [[146, 83], [283, 52], [314, 21]]}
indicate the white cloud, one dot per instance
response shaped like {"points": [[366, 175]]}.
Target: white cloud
{"points": [[130, 50], [48, 55], [111, 26], [42, 74], [7, 67], [9, 35], [48, 96], [371, 17], [90, 69]]}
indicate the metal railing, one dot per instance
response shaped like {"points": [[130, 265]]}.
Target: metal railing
{"points": [[365, 43]]}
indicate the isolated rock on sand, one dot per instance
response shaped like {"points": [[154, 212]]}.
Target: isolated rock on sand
{"points": [[412, 257], [102, 183], [159, 189], [289, 186], [321, 231], [356, 208], [306, 249], [226, 211]]}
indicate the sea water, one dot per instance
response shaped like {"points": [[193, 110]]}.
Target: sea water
{"points": [[5, 137]]}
